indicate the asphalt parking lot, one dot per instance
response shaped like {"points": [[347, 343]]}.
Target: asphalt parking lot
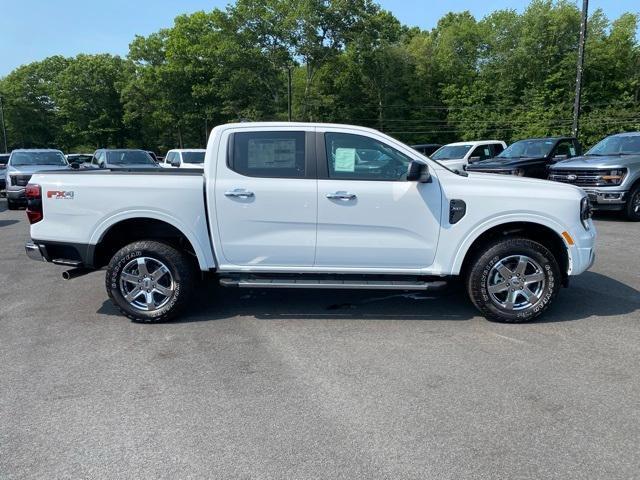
{"points": [[291, 384]]}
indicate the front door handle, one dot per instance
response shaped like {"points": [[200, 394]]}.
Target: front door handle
{"points": [[341, 196], [239, 193]]}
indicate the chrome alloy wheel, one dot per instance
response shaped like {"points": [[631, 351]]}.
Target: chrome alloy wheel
{"points": [[635, 202], [146, 283], [516, 282]]}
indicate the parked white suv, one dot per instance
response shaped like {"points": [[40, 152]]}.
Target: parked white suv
{"points": [[457, 156], [308, 205], [184, 158]]}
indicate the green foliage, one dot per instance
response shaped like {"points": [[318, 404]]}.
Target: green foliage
{"points": [[506, 76]]}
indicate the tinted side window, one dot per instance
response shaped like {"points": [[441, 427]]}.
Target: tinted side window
{"points": [[483, 151], [566, 148], [497, 148], [356, 157], [268, 154]]}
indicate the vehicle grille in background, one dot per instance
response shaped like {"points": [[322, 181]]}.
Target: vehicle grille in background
{"points": [[20, 180], [582, 178]]}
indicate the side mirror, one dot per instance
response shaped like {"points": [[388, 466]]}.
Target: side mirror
{"points": [[418, 172], [473, 159], [75, 165], [175, 162], [560, 157]]}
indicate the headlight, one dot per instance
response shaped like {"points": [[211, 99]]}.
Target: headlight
{"points": [[614, 177], [585, 211], [518, 171]]}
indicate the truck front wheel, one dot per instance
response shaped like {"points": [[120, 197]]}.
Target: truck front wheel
{"points": [[513, 280], [633, 205], [150, 281]]}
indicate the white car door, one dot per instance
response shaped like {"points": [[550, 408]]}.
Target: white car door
{"points": [[266, 198], [369, 216]]}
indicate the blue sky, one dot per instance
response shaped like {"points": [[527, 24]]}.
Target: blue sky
{"points": [[34, 29]]}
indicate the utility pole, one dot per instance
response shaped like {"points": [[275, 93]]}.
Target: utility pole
{"points": [[583, 39], [289, 91], [4, 130]]}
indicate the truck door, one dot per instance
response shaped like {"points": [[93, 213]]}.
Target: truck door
{"points": [[266, 198], [368, 214]]}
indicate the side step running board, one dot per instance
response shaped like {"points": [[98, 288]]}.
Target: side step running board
{"points": [[341, 284]]}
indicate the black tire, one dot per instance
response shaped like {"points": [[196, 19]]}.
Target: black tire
{"points": [[488, 261], [632, 209], [11, 205], [180, 278]]}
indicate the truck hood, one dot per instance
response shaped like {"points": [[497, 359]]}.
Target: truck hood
{"points": [[31, 169], [592, 161], [504, 163], [529, 187]]}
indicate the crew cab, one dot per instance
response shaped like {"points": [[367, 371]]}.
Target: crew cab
{"points": [[309, 205], [184, 158], [530, 158], [456, 156], [609, 172]]}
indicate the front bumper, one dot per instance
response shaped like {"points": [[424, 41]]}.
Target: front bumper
{"points": [[16, 194], [606, 199], [582, 253]]}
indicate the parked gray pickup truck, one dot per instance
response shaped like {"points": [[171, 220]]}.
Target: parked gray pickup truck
{"points": [[609, 173]]}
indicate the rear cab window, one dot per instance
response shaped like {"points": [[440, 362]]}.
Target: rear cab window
{"points": [[270, 154]]}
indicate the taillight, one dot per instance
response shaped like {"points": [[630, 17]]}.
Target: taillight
{"points": [[34, 202]]}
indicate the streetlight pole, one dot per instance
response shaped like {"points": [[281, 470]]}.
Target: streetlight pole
{"points": [[289, 91], [580, 69], [4, 130]]}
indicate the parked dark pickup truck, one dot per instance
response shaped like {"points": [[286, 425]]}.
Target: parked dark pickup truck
{"points": [[530, 158]]}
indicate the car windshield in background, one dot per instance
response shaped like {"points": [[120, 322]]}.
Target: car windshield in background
{"points": [[38, 158], [627, 145], [193, 157], [451, 152], [78, 158], [129, 157], [4, 159], [528, 149]]}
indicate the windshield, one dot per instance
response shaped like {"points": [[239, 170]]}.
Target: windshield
{"points": [[627, 145], [38, 158], [79, 158], [4, 159], [129, 157], [451, 152], [528, 149], [193, 157]]}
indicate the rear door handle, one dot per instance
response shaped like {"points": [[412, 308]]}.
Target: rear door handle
{"points": [[341, 196], [239, 193]]}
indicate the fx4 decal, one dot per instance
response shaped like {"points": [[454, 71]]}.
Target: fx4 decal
{"points": [[60, 195]]}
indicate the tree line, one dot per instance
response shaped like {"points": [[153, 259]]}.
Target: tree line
{"points": [[506, 76]]}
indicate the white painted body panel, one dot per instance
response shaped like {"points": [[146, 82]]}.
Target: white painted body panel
{"points": [[290, 226]]}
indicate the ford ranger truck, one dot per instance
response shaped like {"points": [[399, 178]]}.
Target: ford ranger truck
{"points": [[609, 173], [305, 205]]}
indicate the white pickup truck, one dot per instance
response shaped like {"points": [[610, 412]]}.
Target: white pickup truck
{"points": [[303, 205]]}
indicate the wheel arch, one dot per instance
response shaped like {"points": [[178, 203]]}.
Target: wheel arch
{"points": [[545, 234], [115, 233]]}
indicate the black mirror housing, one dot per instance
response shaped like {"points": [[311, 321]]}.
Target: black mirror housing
{"points": [[175, 163], [418, 172]]}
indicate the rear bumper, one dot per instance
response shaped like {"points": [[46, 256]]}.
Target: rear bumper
{"points": [[70, 255], [34, 253]]}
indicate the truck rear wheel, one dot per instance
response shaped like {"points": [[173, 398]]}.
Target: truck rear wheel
{"points": [[513, 280], [150, 281]]}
